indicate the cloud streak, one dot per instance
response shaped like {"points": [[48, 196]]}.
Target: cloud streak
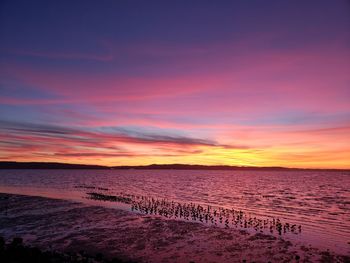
{"points": [[56, 141]]}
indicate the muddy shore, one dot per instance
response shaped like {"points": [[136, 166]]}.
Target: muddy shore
{"points": [[65, 226]]}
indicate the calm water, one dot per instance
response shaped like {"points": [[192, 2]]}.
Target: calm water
{"points": [[319, 201]]}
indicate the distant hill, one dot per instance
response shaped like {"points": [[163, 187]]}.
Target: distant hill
{"points": [[198, 167], [218, 167], [44, 165], [51, 165]]}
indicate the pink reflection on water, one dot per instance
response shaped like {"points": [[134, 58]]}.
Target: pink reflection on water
{"points": [[317, 201]]}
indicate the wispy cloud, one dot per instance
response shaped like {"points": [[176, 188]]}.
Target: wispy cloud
{"points": [[51, 140], [60, 55]]}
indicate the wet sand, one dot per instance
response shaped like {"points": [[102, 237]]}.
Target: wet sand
{"points": [[66, 226]]}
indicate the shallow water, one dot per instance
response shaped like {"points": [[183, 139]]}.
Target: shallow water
{"points": [[319, 201]]}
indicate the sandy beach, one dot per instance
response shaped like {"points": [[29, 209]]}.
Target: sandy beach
{"points": [[66, 226]]}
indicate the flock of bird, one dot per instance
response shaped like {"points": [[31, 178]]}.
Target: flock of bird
{"points": [[206, 214]]}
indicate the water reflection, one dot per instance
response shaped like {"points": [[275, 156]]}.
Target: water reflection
{"points": [[319, 201]]}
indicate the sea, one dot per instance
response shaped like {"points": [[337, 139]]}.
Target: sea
{"points": [[318, 201]]}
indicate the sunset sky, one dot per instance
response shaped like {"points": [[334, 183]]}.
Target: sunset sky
{"points": [[261, 83]]}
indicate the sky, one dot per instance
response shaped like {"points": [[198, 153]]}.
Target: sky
{"points": [[248, 83]]}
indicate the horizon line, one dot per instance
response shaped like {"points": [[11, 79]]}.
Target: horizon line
{"points": [[176, 166]]}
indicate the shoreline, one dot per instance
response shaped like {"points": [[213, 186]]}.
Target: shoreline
{"points": [[68, 226], [11, 165]]}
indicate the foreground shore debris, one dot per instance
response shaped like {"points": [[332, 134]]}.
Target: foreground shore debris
{"points": [[16, 251]]}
